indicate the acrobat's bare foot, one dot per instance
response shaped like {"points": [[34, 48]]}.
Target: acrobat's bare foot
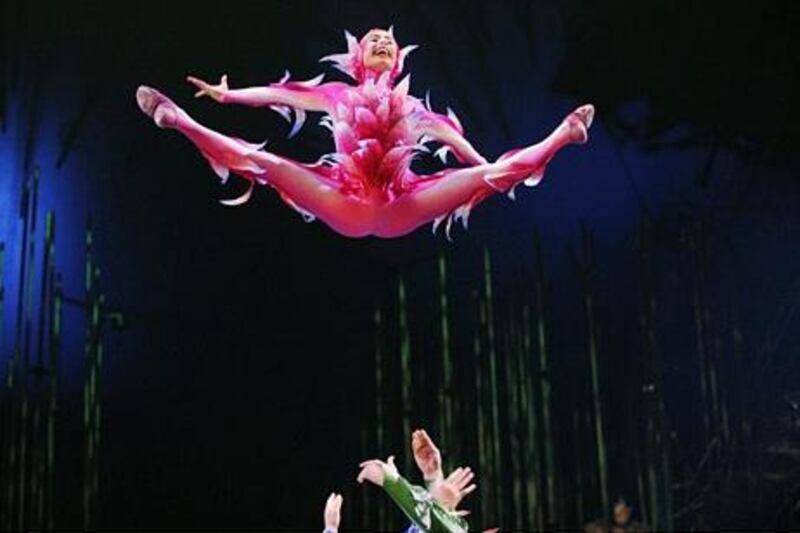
{"points": [[579, 122], [161, 109]]}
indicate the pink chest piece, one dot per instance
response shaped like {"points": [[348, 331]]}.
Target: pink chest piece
{"points": [[374, 127]]}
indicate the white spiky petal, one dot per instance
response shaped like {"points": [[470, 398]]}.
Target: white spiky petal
{"points": [[299, 120], [452, 116], [441, 153], [313, 82], [239, 200], [401, 89], [283, 111]]}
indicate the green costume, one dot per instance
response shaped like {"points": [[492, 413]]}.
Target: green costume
{"points": [[420, 507]]}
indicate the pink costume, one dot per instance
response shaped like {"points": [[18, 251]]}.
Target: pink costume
{"points": [[366, 186]]}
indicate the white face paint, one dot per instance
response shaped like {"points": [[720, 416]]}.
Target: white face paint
{"points": [[380, 50]]}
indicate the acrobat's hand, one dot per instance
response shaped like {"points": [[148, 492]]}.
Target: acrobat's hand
{"points": [[217, 92], [452, 490], [376, 470], [333, 512], [427, 456]]}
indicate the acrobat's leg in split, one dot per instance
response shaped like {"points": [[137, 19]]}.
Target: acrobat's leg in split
{"points": [[454, 192], [310, 191]]}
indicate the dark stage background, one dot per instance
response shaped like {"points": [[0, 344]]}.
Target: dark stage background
{"points": [[240, 389]]}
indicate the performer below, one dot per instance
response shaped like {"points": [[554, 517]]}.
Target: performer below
{"points": [[366, 187]]}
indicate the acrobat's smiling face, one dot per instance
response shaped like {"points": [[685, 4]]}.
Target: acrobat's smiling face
{"points": [[380, 50]]}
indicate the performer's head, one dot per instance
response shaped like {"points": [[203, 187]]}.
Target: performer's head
{"points": [[380, 50], [375, 54]]}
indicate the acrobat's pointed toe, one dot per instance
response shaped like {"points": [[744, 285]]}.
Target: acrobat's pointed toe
{"points": [[147, 99], [586, 114], [579, 122], [156, 106]]}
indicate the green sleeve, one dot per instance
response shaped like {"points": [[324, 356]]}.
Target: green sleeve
{"points": [[421, 508]]}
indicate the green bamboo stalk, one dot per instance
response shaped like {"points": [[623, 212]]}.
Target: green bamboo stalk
{"points": [[54, 349], [487, 433], [88, 457], [11, 444], [52, 302], [714, 352], [18, 374], [652, 474], [35, 470], [650, 388], [576, 442], [28, 273], [544, 383], [15, 365], [637, 457], [36, 467], [700, 344], [591, 462], [23, 449], [530, 412], [648, 494], [666, 471], [41, 480], [712, 375], [736, 406], [741, 426], [480, 417], [23, 344], [98, 419], [723, 406], [649, 507], [719, 392], [24, 411], [89, 386], [6, 420], [511, 355], [49, 247], [24, 460], [640, 487], [522, 407], [11, 457], [379, 392], [2, 289], [365, 494], [405, 361], [495, 409], [588, 299], [447, 434], [523, 404]]}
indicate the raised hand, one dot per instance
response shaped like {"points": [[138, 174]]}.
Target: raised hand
{"points": [[452, 490], [374, 471], [217, 92], [426, 455], [333, 514]]}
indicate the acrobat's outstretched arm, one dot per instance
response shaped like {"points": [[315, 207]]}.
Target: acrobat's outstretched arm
{"points": [[448, 131], [307, 95], [301, 96]]}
